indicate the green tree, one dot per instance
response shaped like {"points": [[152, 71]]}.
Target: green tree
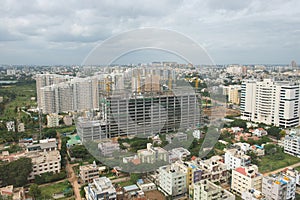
{"points": [[274, 131], [16, 172], [239, 123], [35, 191]]}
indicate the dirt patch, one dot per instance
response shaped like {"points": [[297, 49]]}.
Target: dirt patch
{"points": [[154, 195]]}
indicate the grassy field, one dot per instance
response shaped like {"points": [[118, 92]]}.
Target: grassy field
{"points": [[268, 164], [22, 94], [49, 190]]}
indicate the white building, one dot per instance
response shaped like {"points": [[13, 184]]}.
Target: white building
{"points": [[214, 169], [88, 172], [278, 187], [21, 127], [10, 125], [245, 178], [252, 195], [52, 120], [197, 134], [172, 181], [292, 144], [100, 189], [236, 158], [46, 161], [108, 148], [207, 190], [152, 154], [270, 102]]}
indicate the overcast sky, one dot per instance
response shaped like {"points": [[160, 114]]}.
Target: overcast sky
{"points": [[232, 31]]}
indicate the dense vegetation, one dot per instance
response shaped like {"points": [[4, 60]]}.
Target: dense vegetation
{"points": [[15, 172]]}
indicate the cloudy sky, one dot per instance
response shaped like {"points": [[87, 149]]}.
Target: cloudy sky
{"points": [[232, 31]]}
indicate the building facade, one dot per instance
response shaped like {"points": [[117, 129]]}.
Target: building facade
{"points": [[236, 158], [172, 181], [270, 102], [245, 178], [291, 144], [278, 187], [207, 190]]}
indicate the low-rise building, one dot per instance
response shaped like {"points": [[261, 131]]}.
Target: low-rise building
{"points": [[68, 121], [236, 158], [172, 181], [88, 172], [206, 189], [259, 132], [152, 154], [100, 189], [178, 154], [252, 194], [43, 145], [21, 127], [108, 148], [292, 144], [52, 120], [44, 162], [197, 134], [293, 173], [214, 169], [245, 178], [278, 187], [9, 192], [176, 136], [10, 125]]}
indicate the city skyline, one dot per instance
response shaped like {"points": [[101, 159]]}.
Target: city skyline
{"points": [[49, 33]]}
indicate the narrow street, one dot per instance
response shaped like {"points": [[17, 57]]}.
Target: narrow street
{"points": [[70, 173], [73, 179]]}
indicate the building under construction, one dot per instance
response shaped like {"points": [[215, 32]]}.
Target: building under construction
{"points": [[141, 102]]}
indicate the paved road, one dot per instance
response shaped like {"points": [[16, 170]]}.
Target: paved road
{"points": [[279, 170]]}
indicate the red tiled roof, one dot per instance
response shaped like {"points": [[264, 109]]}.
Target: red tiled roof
{"points": [[241, 170]]}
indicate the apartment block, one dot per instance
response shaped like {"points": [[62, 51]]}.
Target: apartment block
{"points": [[252, 194], [207, 190], [278, 187], [100, 189], [72, 95], [107, 148], [291, 143], [48, 161], [172, 181], [43, 80], [88, 172], [214, 169], [152, 154], [236, 158], [52, 120], [270, 102], [245, 178]]}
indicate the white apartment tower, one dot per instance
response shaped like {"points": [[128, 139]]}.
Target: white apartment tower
{"points": [[270, 102]]}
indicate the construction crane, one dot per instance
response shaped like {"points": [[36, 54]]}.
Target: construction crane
{"points": [[194, 79], [107, 82], [138, 81]]}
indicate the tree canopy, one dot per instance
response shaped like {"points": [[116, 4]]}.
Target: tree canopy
{"points": [[16, 172]]}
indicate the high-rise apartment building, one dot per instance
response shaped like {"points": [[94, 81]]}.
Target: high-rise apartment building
{"points": [[270, 102], [43, 80], [77, 94]]}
